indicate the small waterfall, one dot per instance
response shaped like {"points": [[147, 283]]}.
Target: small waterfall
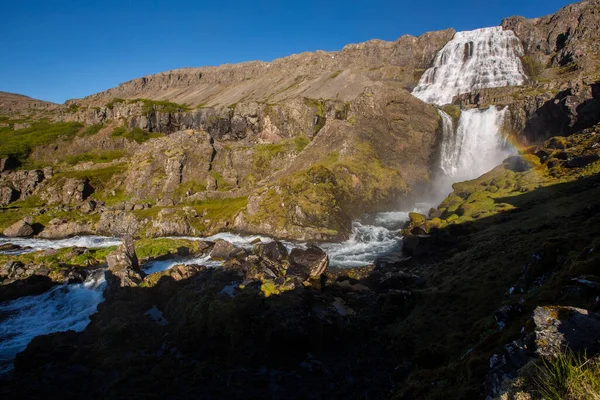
{"points": [[63, 307], [482, 58]]}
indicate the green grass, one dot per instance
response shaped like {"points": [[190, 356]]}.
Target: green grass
{"points": [[62, 257], [136, 134], [265, 153], [569, 376], [98, 178], [154, 248], [19, 144], [222, 184], [106, 156], [160, 105], [91, 130]]}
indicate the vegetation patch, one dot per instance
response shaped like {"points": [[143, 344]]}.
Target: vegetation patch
{"points": [[90, 130], [19, 144], [136, 134], [106, 156]]}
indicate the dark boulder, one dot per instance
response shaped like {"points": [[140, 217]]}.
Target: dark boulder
{"points": [[309, 263], [123, 265], [582, 161]]}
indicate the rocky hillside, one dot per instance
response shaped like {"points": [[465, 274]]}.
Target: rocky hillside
{"points": [[295, 148]]}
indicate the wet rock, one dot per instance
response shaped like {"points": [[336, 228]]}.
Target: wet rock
{"points": [[582, 161], [9, 247], [273, 251], [309, 263], [557, 328], [223, 250], [517, 164], [19, 229]]}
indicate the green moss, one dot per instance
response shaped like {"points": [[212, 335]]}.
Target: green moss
{"points": [[453, 111], [190, 187], [222, 184], [268, 288]]}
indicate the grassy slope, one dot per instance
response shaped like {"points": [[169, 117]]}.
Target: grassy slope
{"points": [[544, 231]]}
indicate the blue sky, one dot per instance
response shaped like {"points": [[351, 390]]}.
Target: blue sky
{"points": [[56, 49]]}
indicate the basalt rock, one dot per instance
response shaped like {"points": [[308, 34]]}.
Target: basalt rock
{"points": [[8, 195]]}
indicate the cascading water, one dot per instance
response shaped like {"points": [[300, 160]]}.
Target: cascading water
{"points": [[483, 58], [59, 309], [473, 148]]}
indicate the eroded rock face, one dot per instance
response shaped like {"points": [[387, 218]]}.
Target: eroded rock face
{"points": [[70, 191]]}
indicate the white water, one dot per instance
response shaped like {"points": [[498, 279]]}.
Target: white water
{"points": [[29, 245], [60, 309], [482, 58], [162, 265], [475, 147]]}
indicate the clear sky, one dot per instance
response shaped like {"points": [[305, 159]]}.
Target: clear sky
{"points": [[57, 49]]}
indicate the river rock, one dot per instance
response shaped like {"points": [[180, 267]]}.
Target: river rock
{"points": [[309, 263], [123, 265], [19, 229], [223, 250]]}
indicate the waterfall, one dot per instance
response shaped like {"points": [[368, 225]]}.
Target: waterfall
{"points": [[474, 148], [63, 307], [483, 58]]}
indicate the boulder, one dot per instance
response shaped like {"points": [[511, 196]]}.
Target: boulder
{"points": [[6, 164], [19, 229], [309, 263], [223, 250], [558, 328], [61, 228], [123, 265], [8, 195]]}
